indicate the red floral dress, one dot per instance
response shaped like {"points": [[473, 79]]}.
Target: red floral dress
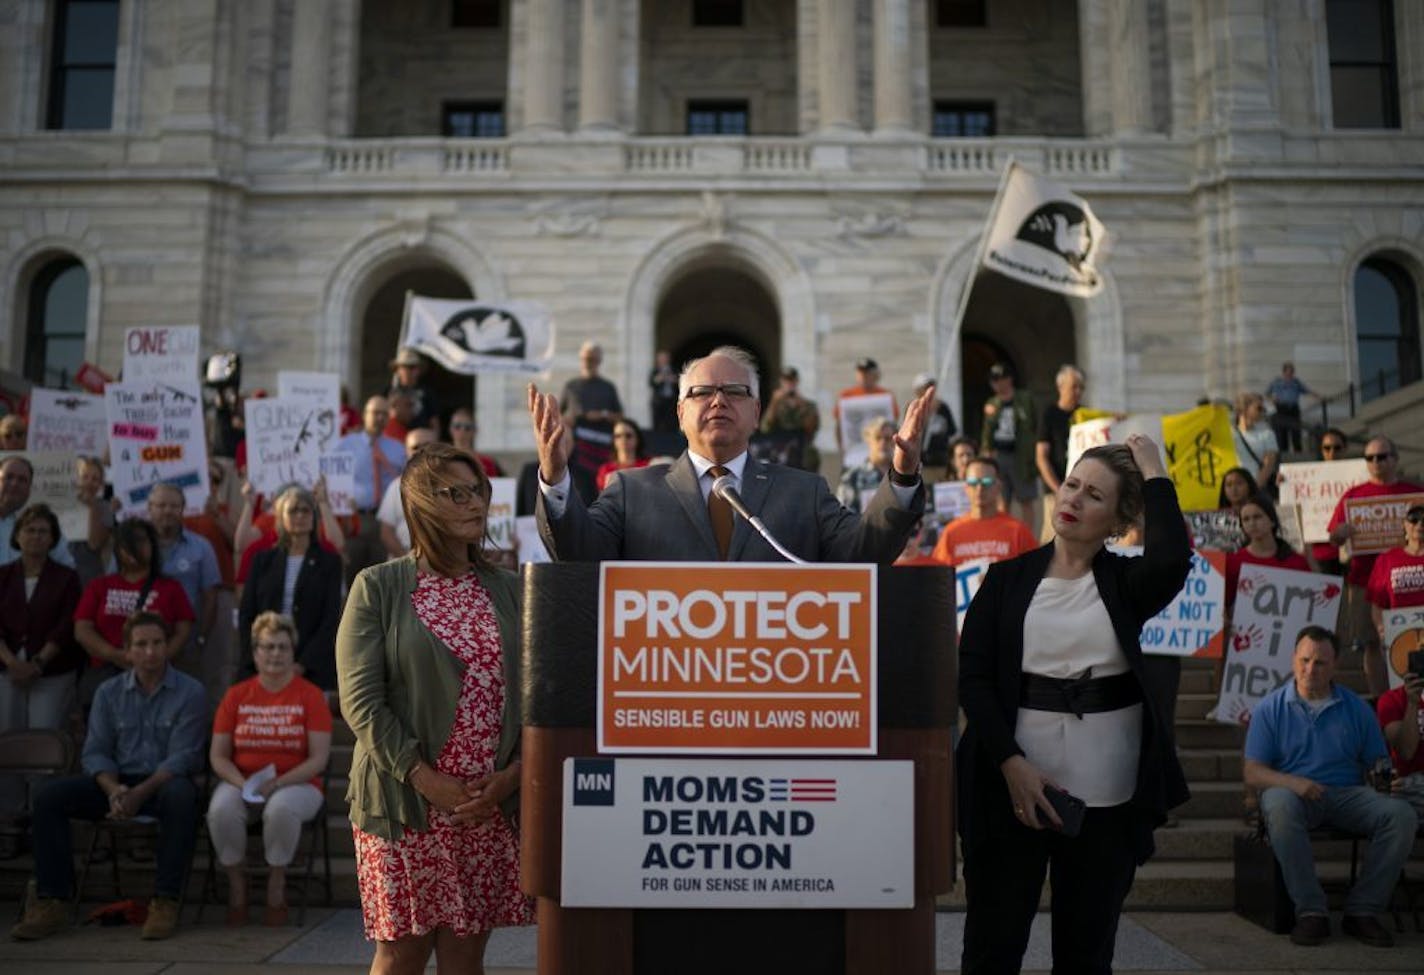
{"points": [[465, 878]]}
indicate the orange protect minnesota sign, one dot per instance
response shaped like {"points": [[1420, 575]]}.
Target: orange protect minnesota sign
{"points": [[736, 658]]}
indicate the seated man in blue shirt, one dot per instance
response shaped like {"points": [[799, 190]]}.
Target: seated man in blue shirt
{"points": [[1308, 748], [147, 731]]}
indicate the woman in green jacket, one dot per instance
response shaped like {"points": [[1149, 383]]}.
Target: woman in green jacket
{"points": [[427, 662]]}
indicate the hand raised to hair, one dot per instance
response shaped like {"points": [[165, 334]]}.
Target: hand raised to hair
{"points": [[1146, 455]]}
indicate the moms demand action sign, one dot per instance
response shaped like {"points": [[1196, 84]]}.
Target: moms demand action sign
{"points": [[738, 833], [740, 657]]}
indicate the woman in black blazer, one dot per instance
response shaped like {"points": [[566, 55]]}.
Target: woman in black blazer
{"points": [[1040, 717], [315, 592]]}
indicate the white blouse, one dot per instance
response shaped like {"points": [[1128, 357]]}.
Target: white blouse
{"points": [[1066, 631]]}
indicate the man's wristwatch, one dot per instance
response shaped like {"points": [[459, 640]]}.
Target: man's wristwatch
{"points": [[904, 480]]}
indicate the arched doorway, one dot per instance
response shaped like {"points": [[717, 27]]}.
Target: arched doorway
{"points": [[381, 329], [720, 304], [1030, 329]]}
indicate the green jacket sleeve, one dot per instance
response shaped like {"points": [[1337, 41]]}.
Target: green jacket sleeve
{"points": [[362, 680]]}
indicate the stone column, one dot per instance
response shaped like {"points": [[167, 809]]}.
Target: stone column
{"points": [[598, 65], [835, 64], [893, 66], [310, 77], [544, 65], [1131, 70]]}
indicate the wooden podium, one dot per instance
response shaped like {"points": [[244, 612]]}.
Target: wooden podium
{"points": [[917, 708]]}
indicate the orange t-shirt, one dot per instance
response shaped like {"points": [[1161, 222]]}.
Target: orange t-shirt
{"points": [[998, 537], [271, 729]]}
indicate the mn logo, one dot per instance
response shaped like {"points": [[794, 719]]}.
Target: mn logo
{"points": [[1062, 228], [593, 782], [485, 331]]}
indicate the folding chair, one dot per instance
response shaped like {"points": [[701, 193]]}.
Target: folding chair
{"points": [[34, 753]]}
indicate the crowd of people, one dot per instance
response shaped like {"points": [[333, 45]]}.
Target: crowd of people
{"points": [[112, 632]]}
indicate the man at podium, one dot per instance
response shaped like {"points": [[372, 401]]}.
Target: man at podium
{"points": [[671, 513]]}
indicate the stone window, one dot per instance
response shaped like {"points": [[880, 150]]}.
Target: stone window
{"points": [[717, 13], [1364, 80], [968, 120], [961, 13], [1386, 327], [473, 120], [82, 57], [729, 117], [58, 311], [475, 13]]}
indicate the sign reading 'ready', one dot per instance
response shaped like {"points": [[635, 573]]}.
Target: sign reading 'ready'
{"points": [[736, 658]]}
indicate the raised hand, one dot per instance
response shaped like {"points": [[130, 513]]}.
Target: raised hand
{"points": [[911, 434], [548, 435], [1146, 455]]}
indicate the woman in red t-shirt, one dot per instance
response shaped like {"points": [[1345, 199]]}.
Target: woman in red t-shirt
{"points": [[1397, 578], [627, 452], [278, 720], [139, 584], [1264, 545]]}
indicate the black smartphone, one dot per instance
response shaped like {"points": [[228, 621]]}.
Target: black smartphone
{"points": [[1069, 808], [1414, 663]]}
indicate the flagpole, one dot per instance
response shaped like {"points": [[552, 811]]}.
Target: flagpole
{"points": [[952, 345]]}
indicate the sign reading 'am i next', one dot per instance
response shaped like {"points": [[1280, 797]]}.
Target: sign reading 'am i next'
{"points": [[744, 833], [736, 658]]}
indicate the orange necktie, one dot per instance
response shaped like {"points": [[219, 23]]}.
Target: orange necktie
{"points": [[721, 514]]}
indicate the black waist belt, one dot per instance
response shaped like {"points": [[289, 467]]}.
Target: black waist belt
{"points": [[1079, 695]]}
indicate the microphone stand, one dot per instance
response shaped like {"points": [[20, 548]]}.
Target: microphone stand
{"points": [[725, 489]]}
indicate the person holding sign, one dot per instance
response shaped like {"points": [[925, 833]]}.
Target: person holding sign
{"points": [[1357, 626], [667, 512], [1397, 579], [275, 719], [1264, 544], [427, 660], [1066, 761]]}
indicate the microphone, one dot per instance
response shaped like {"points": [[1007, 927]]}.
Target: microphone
{"points": [[725, 488]]}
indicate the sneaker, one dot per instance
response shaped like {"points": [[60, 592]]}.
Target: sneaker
{"points": [[1366, 928], [43, 917], [162, 919], [1310, 930]]}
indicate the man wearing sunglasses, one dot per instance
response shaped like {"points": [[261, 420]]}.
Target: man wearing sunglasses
{"points": [[985, 532], [1356, 625], [669, 512]]}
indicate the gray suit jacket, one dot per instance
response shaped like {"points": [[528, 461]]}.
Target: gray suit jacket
{"points": [[658, 514]]}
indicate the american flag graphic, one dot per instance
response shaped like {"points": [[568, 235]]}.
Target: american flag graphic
{"points": [[801, 790]]}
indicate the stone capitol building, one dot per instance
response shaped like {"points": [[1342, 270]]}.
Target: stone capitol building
{"points": [[809, 178]]}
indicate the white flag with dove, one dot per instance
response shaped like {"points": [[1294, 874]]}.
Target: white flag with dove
{"points": [[470, 336]]}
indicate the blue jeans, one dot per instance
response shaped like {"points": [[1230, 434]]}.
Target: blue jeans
{"points": [[174, 805], [1389, 823]]}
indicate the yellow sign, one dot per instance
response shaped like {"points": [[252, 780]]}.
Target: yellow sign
{"points": [[1200, 449]]}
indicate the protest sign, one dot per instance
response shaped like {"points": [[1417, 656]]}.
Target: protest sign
{"points": [[283, 442], [323, 391], [951, 499], [1403, 635], [1219, 531], [1193, 623], [1291, 532], [968, 576], [1200, 449], [740, 658], [1272, 606], [67, 421], [339, 469], [1316, 488], [854, 413], [1111, 429], [499, 522], [531, 546], [758, 833], [54, 483], [161, 353], [1377, 523], [156, 435]]}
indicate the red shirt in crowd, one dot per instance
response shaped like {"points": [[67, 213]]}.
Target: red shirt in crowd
{"points": [[1235, 560], [1361, 565], [1397, 580], [1390, 709], [271, 728], [111, 599], [997, 537]]}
